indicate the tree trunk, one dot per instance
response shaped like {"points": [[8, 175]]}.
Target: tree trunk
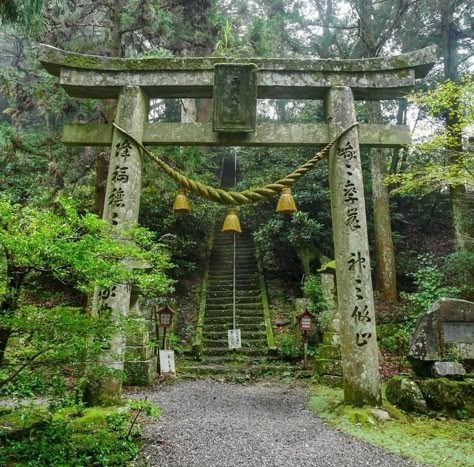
{"points": [[386, 280], [460, 201]]}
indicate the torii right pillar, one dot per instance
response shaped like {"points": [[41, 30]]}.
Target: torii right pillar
{"points": [[360, 360]]}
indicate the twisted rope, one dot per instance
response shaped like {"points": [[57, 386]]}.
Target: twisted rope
{"points": [[237, 198]]}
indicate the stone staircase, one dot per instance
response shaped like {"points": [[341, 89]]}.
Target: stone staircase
{"points": [[254, 358], [219, 306]]}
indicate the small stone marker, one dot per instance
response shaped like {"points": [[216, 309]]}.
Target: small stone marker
{"points": [[447, 369], [234, 339], [446, 328], [167, 365]]}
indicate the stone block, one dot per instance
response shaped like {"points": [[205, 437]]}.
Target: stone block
{"points": [[327, 367], [140, 373], [448, 396], [405, 394], [331, 338], [333, 381], [446, 328], [447, 369], [332, 352], [334, 325], [139, 352]]}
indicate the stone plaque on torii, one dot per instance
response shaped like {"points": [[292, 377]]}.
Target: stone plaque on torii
{"points": [[133, 82]]}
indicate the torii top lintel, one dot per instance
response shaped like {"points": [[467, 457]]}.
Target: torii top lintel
{"points": [[370, 79]]}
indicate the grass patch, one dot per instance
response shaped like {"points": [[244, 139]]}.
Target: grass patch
{"points": [[439, 442]]}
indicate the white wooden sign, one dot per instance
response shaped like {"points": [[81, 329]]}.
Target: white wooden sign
{"points": [[167, 366], [234, 339]]}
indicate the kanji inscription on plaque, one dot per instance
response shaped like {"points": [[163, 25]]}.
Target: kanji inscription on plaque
{"points": [[235, 98]]}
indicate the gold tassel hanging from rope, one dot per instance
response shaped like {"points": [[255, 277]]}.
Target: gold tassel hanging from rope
{"points": [[231, 222], [181, 203], [286, 203]]}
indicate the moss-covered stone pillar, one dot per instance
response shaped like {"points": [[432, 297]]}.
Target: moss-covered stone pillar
{"points": [[122, 203], [354, 283]]}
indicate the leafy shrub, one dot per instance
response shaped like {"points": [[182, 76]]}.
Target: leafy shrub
{"points": [[431, 286], [81, 437]]}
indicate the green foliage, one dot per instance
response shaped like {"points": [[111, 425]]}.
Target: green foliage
{"points": [[443, 442], [78, 436], [76, 249], [289, 345], [314, 291], [431, 285], [438, 161], [81, 252], [50, 342], [459, 267]]}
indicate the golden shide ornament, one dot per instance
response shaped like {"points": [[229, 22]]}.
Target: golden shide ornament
{"points": [[181, 203], [231, 222], [286, 203]]}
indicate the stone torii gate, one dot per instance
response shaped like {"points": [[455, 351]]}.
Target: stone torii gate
{"points": [[235, 86]]}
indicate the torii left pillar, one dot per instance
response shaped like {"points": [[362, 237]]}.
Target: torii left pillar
{"points": [[122, 204]]}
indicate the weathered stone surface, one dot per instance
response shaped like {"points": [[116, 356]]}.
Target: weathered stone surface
{"points": [[330, 351], [446, 328], [122, 202], [18, 423], [354, 282], [100, 77], [380, 415], [235, 98], [53, 59], [266, 134], [448, 396], [405, 393], [444, 369], [327, 367], [332, 338]]}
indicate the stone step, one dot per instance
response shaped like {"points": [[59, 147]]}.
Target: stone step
{"points": [[245, 335], [243, 284], [219, 249], [241, 320], [245, 342], [235, 371], [239, 305], [244, 327], [239, 294], [228, 262], [229, 274], [257, 315], [252, 351]]}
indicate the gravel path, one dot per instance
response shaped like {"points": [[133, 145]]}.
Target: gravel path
{"points": [[211, 424]]}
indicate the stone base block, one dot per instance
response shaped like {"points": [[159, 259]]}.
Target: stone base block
{"points": [[138, 352], [331, 338], [324, 366], [140, 373], [335, 326], [331, 352], [332, 381]]}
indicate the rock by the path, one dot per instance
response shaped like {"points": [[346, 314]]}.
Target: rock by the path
{"points": [[210, 424], [380, 415], [405, 393]]}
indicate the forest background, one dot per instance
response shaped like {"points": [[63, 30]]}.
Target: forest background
{"points": [[420, 198]]}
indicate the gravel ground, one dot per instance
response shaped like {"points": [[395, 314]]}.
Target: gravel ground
{"points": [[211, 424]]}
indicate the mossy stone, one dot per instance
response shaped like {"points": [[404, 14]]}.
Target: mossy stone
{"points": [[19, 422], [449, 396], [405, 394]]}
